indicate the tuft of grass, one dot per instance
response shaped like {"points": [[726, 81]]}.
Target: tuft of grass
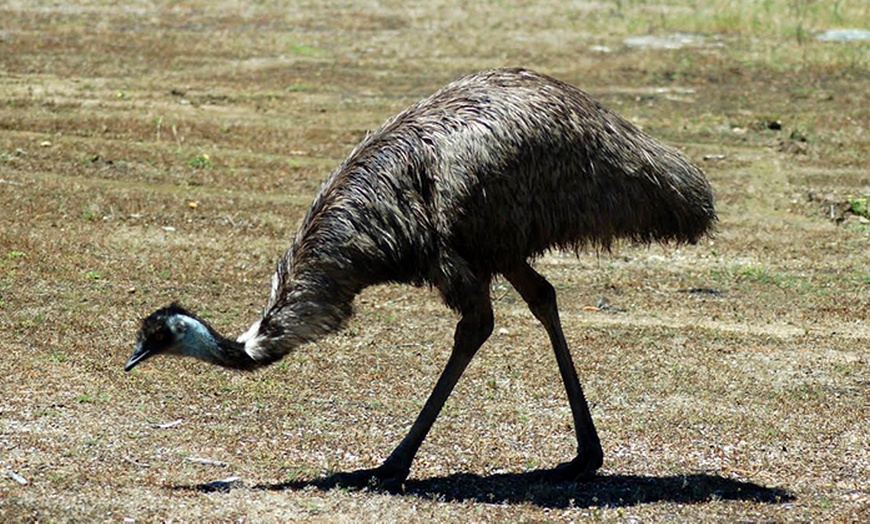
{"points": [[307, 50], [200, 161], [90, 214], [33, 322], [56, 477], [299, 87], [859, 206], [86, 398], [757, 274], [89, 398]]}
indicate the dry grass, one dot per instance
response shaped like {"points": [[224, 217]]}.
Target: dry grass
{"points": [[166, 150]]}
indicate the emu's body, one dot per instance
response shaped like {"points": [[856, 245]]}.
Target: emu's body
{"points": [[471, 182]]}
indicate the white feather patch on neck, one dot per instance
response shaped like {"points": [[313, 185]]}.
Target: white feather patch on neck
{"points": [[250, 333], [252, 340], [255, 350]]}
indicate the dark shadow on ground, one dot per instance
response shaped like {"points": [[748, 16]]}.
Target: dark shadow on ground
{"points": [[602, 491]]}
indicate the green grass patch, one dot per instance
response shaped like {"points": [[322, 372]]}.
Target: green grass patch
{"points": [[758, 274], [86, 398], [32, 322], [762, 275], [307, 50], [200, 161], [859, 206]]}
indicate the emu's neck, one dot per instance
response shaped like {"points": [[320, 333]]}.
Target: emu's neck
{"points": [[199, 340], [308, 302]]}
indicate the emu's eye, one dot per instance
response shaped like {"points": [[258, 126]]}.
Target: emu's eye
{"points": [[158, 336]]}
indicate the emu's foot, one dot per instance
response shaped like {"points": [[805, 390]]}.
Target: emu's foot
{"points": [[582, 468], [382, 478]]}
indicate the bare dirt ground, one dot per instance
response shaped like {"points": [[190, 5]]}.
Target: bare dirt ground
{"points": [[161, 150]]}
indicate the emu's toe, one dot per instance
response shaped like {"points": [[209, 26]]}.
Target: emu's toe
{"points": [[381, 478], [581, 468]]}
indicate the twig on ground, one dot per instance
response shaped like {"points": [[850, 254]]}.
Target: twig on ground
{"points": [[205, 461], [171, 424], [16, 477]]}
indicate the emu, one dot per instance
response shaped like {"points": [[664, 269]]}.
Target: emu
{"points": [[474, 181]]}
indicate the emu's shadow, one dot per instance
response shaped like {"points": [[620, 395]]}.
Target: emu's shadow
{"points": [[602, 491]]}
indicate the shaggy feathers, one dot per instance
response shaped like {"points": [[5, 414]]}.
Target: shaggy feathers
{"points": [[491, 170], [486, 173]]}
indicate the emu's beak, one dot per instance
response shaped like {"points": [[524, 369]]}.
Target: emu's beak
{"points": [[139, 354]]}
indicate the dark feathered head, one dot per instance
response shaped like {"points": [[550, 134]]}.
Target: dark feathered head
{"points": [[165, 331]]}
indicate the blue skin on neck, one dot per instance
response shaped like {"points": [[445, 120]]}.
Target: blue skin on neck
{"points": [[194, 339]]}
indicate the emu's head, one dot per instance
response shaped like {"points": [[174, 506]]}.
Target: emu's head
{"points": [[171, 330]]}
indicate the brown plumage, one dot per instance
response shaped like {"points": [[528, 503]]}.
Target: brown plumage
{"points": [[474, 181]]}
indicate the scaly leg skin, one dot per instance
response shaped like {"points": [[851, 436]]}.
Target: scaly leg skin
{"points": [[471, 332], [541, 298]]}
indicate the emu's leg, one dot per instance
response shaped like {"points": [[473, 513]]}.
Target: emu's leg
{"points": [[473, 329], [541, 298]]}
